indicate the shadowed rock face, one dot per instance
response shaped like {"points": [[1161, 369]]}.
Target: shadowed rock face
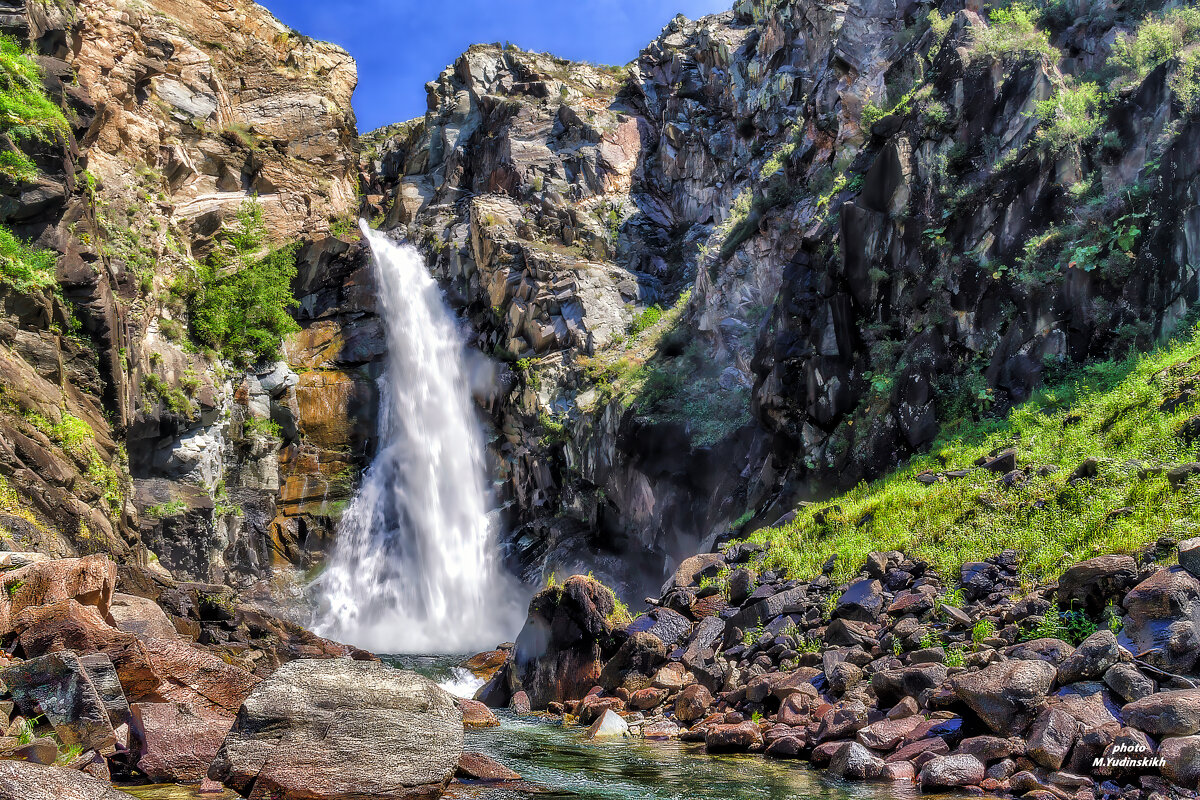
{"points": [[341, 729]]}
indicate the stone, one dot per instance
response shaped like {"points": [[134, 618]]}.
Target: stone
{"points": [[791, 746], [891, 685], [887, 734], [1052, 651], [672, 677], [906, 707], [141, 617], [635, 661], [198, 678], [1006, 696], [1189, 556], [592, 707], [485, 665], [1163, 619], [478, 767], [693, 703], [991, 748], [861, 602], [42, 750], [88, 581], [337, 728], [477, 715], [175, 745], [1091, 659], [646, 699], [741, 584], [852, 761], [1174, 713], [846, 719], [20, 780], [58, 686], [607, 725], [732, 738], [1089, 585], [1128, 682], [1051, 738], [946, 772], [922, 748], [520, 703], [1181, 761], [660, 731]]}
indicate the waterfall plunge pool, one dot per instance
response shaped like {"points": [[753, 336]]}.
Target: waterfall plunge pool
{"points": [[557, 762]]}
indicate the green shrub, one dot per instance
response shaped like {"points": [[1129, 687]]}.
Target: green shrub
{"points": [[1157, 39], [647, 319], [1069, 117], [243, 293], [1013, 33], [23, 266], [1185, 83]]}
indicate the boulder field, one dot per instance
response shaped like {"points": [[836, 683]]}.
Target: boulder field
{"points": [[189, 686], [971, 682]]}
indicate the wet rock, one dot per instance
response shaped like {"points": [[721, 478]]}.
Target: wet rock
{"points": [[732, 738], [27, 781], [945, 772], [1174, 713], [991, 748], [337, 728], [693, 703], [607, 725], [485, 665], [661, 731], [1006, 696], [478, 767], [175, 745], [852, 761], [477, 715]]}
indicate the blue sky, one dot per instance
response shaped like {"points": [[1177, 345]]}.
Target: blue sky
{"points": [[401, 44]]}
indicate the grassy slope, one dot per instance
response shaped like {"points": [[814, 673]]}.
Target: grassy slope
{"points": [[1118, 412]]}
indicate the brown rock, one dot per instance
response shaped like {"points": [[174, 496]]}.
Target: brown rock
{"points": [[946, 772], [22, 780], [646, 699], [693, 703], [485, 665], [478, 767], [1090, 584], [174, 744], [1166, 713], [1008, 694], [732, 738], [477, 715], [88, 581]]}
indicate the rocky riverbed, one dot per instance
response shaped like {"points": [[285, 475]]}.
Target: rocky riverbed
{"points": [[969, 683]]}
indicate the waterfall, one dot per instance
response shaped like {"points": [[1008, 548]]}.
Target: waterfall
{"points": [[414, 566]]}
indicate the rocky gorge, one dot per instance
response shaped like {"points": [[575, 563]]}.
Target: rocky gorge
{"points": [[867, 327]]}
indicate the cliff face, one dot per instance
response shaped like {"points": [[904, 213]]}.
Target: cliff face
{"points": [[864, 222], [120, 432]]}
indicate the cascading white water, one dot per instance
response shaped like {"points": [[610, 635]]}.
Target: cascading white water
{"points": [[414, 567]]}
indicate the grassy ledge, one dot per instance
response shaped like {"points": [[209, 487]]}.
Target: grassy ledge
{"points": [[1093, 453]]}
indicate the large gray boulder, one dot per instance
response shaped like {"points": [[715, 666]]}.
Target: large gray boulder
{"points": [[1163, 619], [21, 780], [340, 729], [1008, 695]]}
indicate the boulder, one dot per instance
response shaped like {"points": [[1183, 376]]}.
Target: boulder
{"points": [[607, 725], [1091, 584], [854, 762], [485, 665], [1181, 761], [1006, 696], [732, 738], [141, 617], [893, 684], [1128, 682], [20, 780], [478, 767], [559, 652], [1091, 659], [175, 745], [197, 678], [58, 686], [519, 703], [88, 581], [1166, 713], [635, 662], [1189, 556], [991, 748], [861, 602], [672, 677], [661, 731], [1163, 619], [1052, 651], [945, 772], [887, 734], [646, 699], [341, 728], [1051, 738], [693, 703], [477, 715]]}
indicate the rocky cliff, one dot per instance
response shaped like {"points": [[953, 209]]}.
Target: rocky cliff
{"points": [[198, 139], [789, 245]]}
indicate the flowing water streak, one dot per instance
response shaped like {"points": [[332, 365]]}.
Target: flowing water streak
{"points": [[414, 568]]}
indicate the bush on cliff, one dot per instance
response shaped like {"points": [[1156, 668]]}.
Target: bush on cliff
{"points": [[23, 266], [1093, 456], [239, 306], [26, 112]]}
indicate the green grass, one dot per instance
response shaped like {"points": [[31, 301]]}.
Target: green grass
{"points": [[1012, 32], [23, 266], [1070, 116], [26, 112], [1111, 410], [243, 293], [1157, 39]]}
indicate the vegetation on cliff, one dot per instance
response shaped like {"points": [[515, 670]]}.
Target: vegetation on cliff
{"points": [[26, 113], [1102, 458], [239, 306]]}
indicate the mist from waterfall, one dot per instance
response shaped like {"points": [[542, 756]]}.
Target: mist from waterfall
{"points": [[414, 568]]}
